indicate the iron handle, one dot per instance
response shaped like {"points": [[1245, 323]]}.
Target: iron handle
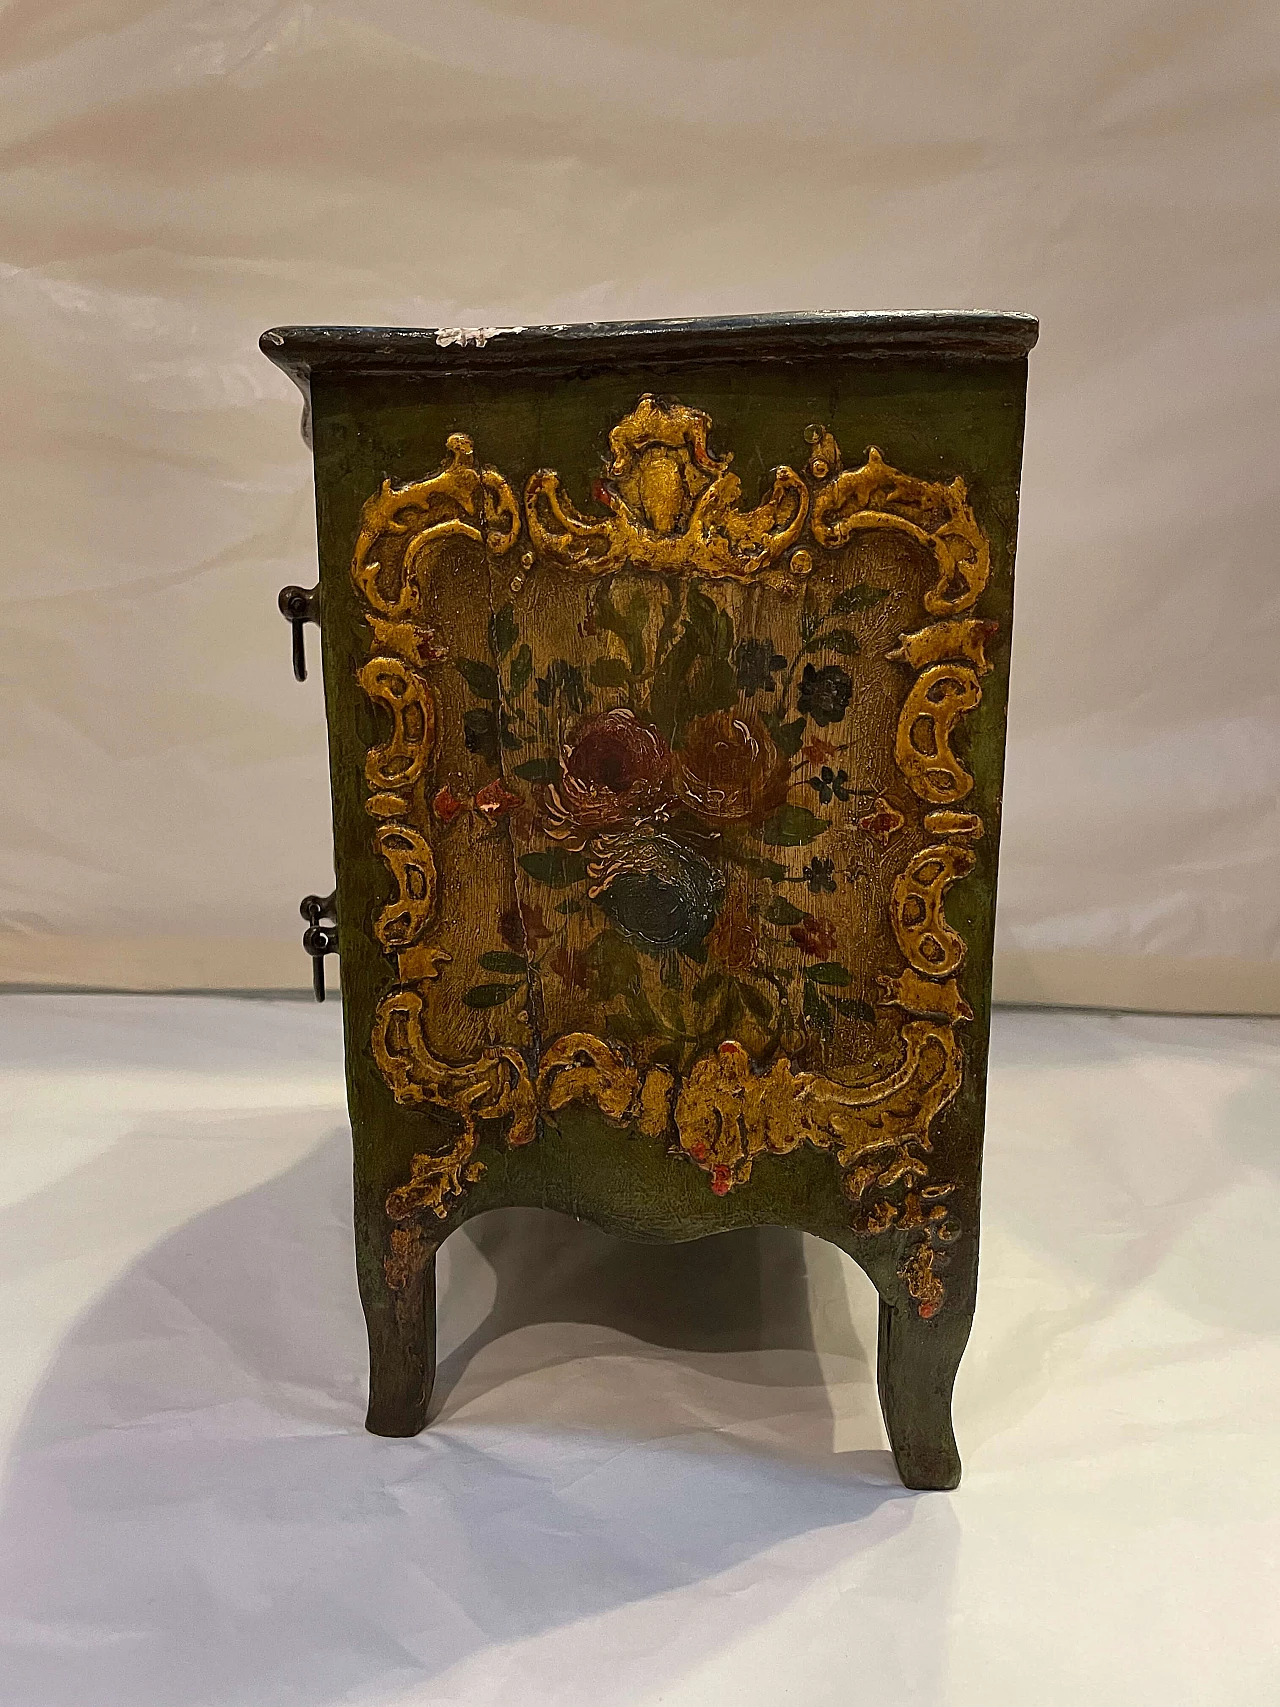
{"points": [[300, 605], [321, 935]]}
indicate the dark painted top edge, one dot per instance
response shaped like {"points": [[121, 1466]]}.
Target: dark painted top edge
{"points": [[304, 350]]}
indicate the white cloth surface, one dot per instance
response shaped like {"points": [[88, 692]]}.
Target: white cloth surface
{"points": [[177, 175], [657, 1475]]}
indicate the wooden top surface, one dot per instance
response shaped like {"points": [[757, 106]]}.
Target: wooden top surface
{"points": [[388, 350]]}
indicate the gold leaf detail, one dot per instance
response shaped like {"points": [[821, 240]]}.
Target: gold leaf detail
{"points": [[399, 762], [922, 746], [921, 1282], [407, 852], [937, 516], [965, 824], [919, 921], [673, 508], [962, 640]]}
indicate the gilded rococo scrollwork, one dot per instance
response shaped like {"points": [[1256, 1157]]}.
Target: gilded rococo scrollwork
{"points": [[672, 509]]}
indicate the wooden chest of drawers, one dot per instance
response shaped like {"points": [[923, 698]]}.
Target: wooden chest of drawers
{"points": [[665, 672]]}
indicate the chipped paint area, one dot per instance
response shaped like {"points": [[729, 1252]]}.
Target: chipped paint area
{"points": [[471, 336]]}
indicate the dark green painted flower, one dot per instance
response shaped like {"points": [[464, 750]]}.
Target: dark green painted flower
{"points": [[818, 874], [754, 662], [829, 785], [657, 892], [825, 693], [563, 678]]}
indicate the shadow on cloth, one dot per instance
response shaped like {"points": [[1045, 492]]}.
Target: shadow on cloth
{"points": [[194, 1513]]}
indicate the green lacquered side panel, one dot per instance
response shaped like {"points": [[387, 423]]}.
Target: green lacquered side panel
{"points": [[935, 421]]}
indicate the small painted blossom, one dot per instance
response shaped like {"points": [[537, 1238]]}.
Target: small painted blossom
{"points": [[817, 751], [446, 805], [829, 785], [570, 966], [816, 937], [883, 823], [818, 874], [825, 693], [754, 662], [523, 927], [494, 801]]}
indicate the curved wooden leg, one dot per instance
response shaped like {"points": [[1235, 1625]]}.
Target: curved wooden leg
{"points": [[399, 1296], [915, 1372]]}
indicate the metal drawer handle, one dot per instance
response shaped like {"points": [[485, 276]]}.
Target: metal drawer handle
{"points": [[299, 605], [321, 935]]}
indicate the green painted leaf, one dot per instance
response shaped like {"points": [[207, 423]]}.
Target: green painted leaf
{"points": [[514, 965], [521, 671], [565, 679], [769, 869], [788, 737], [503, 633], [628, 628], [829, 972], [480, 732], [841, 640], [781, 912], [490, 995], [622, 1027], [696, 675], [861, 596], [755, 1002], [537, 770], [702, 613], [610, 673], [641, 1012], [792, 827], [482, 679], [614, 967], [710, 984], [555, 867], [713, 685], [856, 1008], [818, 1011]]}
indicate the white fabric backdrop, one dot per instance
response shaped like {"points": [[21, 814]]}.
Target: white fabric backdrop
{"points": [[656, 1475], [174, 178]]}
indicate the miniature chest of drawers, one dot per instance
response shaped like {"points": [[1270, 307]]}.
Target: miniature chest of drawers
{"points": [[665, 671]]}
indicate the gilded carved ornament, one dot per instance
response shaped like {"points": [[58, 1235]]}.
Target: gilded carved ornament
{"points": [[673, 508]]}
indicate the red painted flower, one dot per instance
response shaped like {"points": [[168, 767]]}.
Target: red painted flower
{"points": [[614, 770], [817, 751], [523, 927], [816, 937], [731, 942], [570, 966], [729, 770], [446, 805], [493, 800], [882, 823]]}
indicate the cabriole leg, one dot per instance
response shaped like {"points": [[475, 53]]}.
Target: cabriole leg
{"points": [[916, 1370], [398, 1290]]}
